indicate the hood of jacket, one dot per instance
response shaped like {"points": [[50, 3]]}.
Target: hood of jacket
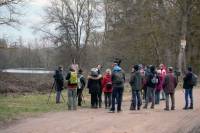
{"points": [[117, 69]]}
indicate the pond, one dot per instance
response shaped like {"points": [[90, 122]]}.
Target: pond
{"points": [[28, 71]]}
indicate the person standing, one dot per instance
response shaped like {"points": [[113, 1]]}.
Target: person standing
{"points": [[159, 87], [152, 81], [59, 82], [188, 86], [107, 88], [72, 79], [169, 85], [136, 85], [81, 86], [94, 86], [99, 67], [163, 74], [118, 79]]}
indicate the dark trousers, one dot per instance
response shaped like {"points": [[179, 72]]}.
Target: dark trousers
{"points": [[94, 100], [136, 99], [172, 100], [117, 95], [157, 97], [188, 94], [58, 93], [107, 96], [99, 96], [79, 95]]}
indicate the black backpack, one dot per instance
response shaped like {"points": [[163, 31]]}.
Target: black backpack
{"points": [[118, 77]]}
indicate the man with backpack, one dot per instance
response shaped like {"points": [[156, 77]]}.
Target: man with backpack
{"points": [[72, 79], [152, 81], [81, 86], [118, 79], [59, 82], [169, 85], [136, 85], [189, 81]]}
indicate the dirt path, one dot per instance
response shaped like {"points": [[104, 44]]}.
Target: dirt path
{"points": [[99, 121]]}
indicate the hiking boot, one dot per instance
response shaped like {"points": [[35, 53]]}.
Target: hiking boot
{"points": [[111, 111], [191, 107], [132, 108], [166, 109], [118, 111], [172, 108], [145, 107], [152, 107], [185, 108]]}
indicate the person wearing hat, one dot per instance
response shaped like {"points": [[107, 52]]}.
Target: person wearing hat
{"points": [[59, 82], [136, 85], [169, 85]]}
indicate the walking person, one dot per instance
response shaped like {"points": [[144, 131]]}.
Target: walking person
{"points": [[59, 82], [107, 88], [118, 79], [169, 85], [188, 84], [152, 81], [72, 79], [136, 85], [94, 86], [81, 86]]}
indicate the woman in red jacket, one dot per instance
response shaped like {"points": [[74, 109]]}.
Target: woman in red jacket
{"points": [[107, 88]]}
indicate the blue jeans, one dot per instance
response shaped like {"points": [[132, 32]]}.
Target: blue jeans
{"points": [[188, 93], [72, 95], [117, 95], [136, 99]]}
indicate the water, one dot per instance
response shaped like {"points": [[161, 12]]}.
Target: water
{"points": [[28, 71]]}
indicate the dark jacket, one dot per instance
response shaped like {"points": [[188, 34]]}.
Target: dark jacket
{"points": [[59, 80], [149, 80], [94, 84], [187, 81], [136, 81], [170, 83], [118, 71]]}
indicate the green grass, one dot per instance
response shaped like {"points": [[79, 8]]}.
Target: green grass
{"points": [[15, 107]]}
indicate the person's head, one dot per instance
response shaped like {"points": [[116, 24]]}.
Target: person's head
{"points": [[136, 67], [60, 68], [94, 72], [161, 66], [170, 69], [159, 72], [108, 71], [99, 66], [189, 69], [80, 71], [152, 68]]}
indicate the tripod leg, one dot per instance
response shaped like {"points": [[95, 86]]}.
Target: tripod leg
{"points": [[62, 97], [50, 93]]}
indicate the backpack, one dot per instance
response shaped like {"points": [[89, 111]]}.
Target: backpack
{"points": [[73, 78], [119, 78], [154, 80], [194, 79], [109, 86]]}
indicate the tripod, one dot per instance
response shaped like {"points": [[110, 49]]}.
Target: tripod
{"points": [[52, 88]]}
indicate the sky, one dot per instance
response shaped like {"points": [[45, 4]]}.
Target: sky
{"points": [[32, 10]]}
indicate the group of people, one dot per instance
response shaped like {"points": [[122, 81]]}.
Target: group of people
{"points": [[151, 82]]}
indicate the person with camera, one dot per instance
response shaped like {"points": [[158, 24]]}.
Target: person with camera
{"points": [[81, 86], [59, 82]]}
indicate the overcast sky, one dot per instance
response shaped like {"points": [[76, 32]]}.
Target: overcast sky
{"points": [[32, 10]]}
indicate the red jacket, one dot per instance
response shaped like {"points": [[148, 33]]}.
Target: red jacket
{"points": [[106, 79]]}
